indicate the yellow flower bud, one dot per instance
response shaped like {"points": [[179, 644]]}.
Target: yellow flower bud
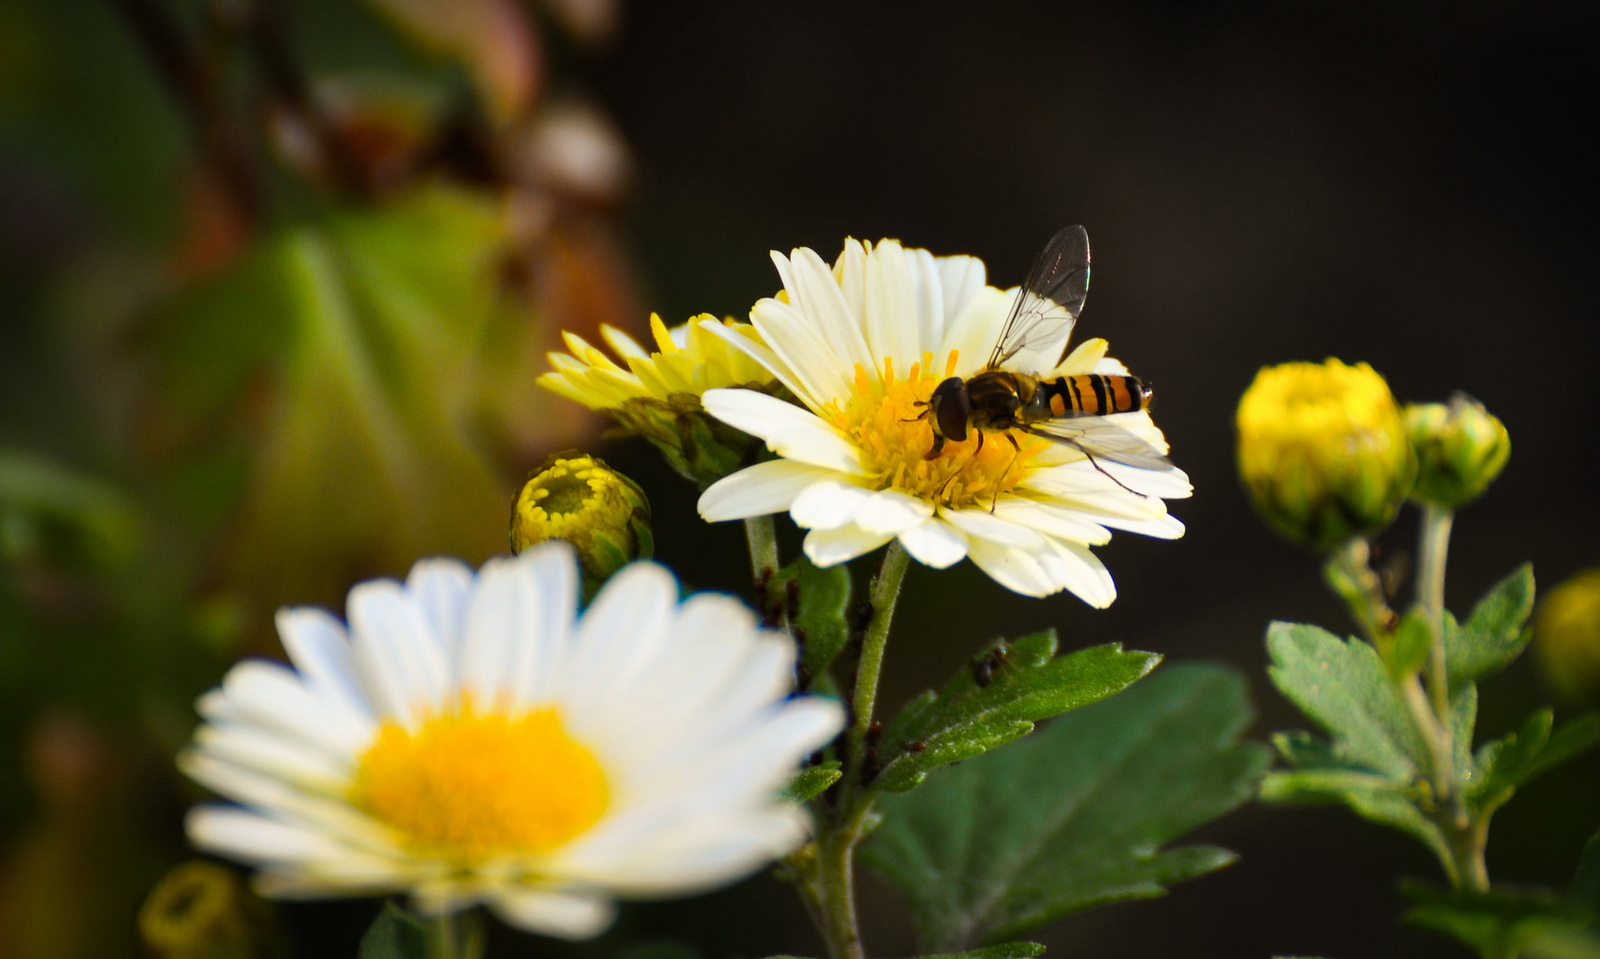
{"points": [[201, 910], [1323, 451], [1460, 449], [1566, 635], [578, 498]]}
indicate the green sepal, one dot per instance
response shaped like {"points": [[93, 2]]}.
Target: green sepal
{"points": [[1495, 634], [1344, 687], [810, 782], [996, 699], [698, 447], [816, 610], [1074, 816], [1505, 764], [1505, 922], [395, 934]]}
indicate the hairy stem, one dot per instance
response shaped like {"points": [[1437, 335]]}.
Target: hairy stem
{"points": [[830, 878], [761, 535]]}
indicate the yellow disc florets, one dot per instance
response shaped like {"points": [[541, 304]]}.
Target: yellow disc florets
{"points": [[580, 499], [889, 420], [469, 787]]}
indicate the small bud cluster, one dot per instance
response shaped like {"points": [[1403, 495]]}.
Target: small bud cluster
{"points": [[1327, 454]]}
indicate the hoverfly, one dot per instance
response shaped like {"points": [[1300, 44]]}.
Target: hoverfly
{"points": [[1071, 410]]}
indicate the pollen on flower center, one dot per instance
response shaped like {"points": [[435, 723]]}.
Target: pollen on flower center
{"points": [[469, 786], [890, 422]]}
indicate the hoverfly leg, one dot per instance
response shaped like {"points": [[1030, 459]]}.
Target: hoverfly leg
{"points": [[938, 442], [1001, 481], [938, 446], [1096, 464]]}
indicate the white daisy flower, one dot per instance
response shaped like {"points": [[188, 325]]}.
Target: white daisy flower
{"points": [[863, 345], [472, 739]]}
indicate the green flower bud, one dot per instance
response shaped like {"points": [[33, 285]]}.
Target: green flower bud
{"points": [[1460, 448], [578, 498], [1566, 636], [1323, 451], [201, 910]]}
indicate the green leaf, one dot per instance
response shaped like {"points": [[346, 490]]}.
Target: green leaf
{"points": [[395, 934], [1074, 816], [810, 782], [1504, 922], [1345, 688], [995, 700], [1586, 884], [817, 606], [74, 518], [1495, 633], [1373, 797], [1412, 642], [1005, 950], [1506, 763]]}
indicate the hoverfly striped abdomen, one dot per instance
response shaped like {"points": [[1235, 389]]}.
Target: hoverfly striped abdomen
{"points": [[1088, 394]]}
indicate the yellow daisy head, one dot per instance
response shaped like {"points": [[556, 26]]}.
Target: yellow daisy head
{"points": [[656, 394]]}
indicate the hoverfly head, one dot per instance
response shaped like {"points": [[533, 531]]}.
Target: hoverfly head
{"points": [[951, 408]]}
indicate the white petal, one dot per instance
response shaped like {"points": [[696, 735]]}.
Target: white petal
{"points": [[762, 354], [830, 547], [978, 524], [852, 269], [759, 490], [541, 644], [281, 757], [962, 277], [274, 697], [320, 650], [929, 299], [828, 504], [250, 837], [975, 330], [811, 361], [790, 431], [935, 543], [891, 306], [815, 292], [1082, 573], [1053, 520], [402, 663], [891, 511], [1015, 569], [1165, 527], [620, 633], [440, 587], [563, 915]]}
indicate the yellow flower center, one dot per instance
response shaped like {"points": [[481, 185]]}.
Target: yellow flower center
{"points": [[891, 423], [468, 787]]}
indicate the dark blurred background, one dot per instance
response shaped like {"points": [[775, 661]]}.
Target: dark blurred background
{"points": [[1406, 184]]}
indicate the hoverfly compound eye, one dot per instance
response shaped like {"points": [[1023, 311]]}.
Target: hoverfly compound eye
{"points": [[951, 407]]}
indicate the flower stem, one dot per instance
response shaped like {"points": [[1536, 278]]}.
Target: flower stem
{"points": [[830, 878], [885, 593], [1467, 838], [762, 536], [1433, 549]]}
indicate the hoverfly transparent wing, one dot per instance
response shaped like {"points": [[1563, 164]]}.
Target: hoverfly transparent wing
{"points": [[1100, 438], [1049, 301]]}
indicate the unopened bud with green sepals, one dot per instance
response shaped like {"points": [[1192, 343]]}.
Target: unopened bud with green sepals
{"points": [[1461, 447], [578, 498], [1323, 451]]}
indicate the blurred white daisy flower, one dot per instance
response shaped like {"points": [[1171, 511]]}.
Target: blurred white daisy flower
{"points": [[863, 345], [473, 739]]}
